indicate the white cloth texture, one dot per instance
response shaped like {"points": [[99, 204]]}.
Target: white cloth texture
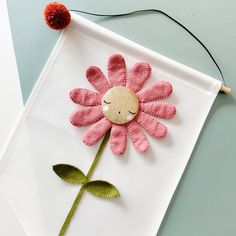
{"points": [[44, 137]]}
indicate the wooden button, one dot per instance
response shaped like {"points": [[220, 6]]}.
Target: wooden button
{"points": [[120, 105]]}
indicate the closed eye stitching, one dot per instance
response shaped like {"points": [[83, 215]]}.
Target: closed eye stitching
{"points": [[106, 102], [132, 113]]}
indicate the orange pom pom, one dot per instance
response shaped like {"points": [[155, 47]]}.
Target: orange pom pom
{"points": [[57, 16]]}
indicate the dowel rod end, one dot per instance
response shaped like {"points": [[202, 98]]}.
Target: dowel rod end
{"points": [[225, 89]]}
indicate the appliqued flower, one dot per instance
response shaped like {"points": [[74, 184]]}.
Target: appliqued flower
{"points": [[122, 105]]}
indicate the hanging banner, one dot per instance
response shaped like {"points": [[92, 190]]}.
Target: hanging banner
{"points": [[145, 182]]}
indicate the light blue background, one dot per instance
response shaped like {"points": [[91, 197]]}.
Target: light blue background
{"points": [[205, 202]]}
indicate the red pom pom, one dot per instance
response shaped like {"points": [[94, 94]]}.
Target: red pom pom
{"points": [[57, 16]]}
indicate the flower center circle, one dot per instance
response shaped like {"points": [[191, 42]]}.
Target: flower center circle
{"points": [[120, 105]]}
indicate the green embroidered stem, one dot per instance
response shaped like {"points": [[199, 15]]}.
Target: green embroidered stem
{"points": [[71, 212], [80, 194]]}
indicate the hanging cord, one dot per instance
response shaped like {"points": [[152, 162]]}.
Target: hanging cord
{"points": [[168, 16]]}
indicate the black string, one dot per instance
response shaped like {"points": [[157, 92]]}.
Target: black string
{"points": [[168, 16]]}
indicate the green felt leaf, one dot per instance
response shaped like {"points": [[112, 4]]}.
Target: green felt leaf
{"points": [[102, 189], [70, 174]]}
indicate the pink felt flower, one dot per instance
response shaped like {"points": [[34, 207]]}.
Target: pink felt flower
{"points": [[122, 105]]}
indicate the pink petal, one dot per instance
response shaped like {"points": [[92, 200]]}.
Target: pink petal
{"points": [[85, 97], [117, 70], [158, 90], [118, 139], [97, 79], [138, 75], [86, 116], [138, 137], [96, 132], [159, 109], [151, 125]]}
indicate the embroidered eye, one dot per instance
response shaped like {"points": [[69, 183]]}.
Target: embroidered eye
{"points": [[106, 102], [132, 113]]}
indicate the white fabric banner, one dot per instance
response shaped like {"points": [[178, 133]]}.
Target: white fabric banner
{"points": [[45, 137]]}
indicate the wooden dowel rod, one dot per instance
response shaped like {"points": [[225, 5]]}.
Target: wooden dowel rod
{"points": [[225, 89]]}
